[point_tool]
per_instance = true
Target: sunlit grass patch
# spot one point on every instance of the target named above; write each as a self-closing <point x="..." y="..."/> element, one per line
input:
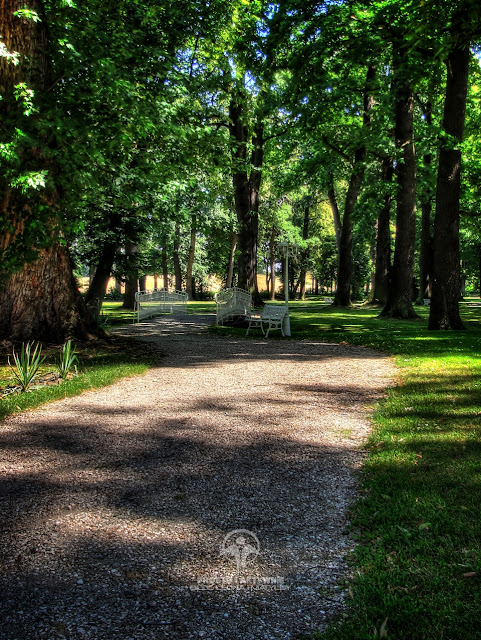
<point x="98" y="366"/>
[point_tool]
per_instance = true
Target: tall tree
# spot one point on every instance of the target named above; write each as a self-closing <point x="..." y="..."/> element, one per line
<point x="38" y="293"/>
<point x="399" y="303"/>
<point x="444" y="310"/>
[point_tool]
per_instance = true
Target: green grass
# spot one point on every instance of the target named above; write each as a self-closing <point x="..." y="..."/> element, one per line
<point x="418" y="523"/>
<point x="113" y="314"/>
<point x="98" y="366"/>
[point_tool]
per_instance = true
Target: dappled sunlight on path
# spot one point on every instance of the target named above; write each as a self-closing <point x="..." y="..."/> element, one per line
<point x="116" y="502"/>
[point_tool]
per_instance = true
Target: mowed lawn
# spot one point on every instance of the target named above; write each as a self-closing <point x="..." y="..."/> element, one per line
<point x="418" y="564"/>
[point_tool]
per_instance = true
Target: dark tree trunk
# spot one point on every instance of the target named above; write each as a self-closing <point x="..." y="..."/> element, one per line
<point x="230" y="269"/>
<point x="444" y="309"/>
<point x="39" y="298"/>
<point x="399" y="304"/>
<point x="344" y="273"/>
<point x="336" y="216"/>
<point x="189" y="283"/>
<point x="165" y="268"/>
<point x="176" y="258"/>
<point x="479" y="250"/>
<point x="246" y="195"/>
<point x="345" y="263"/>
<point x="272" y="263"/>
<point x="131" y="281"/>
<point x="379" y="294"/>
<point x="42" y="302"/>
<point x="426" y="247"/>
<point x="425" y="254"/>
<point x="98" y="286"/>
<point x="305" y="252"/>
<point x="143" y="283"/>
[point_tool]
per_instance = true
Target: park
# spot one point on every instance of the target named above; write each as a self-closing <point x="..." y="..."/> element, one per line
<point x="240" y="320"/>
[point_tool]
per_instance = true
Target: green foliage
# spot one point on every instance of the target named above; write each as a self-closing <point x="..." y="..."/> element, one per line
<point x="67" y="360"/>
<point x="100" y="367"/>
<point x="26" y="364"/>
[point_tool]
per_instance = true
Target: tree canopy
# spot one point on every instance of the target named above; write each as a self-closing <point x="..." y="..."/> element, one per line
<point x="187" y="137"/>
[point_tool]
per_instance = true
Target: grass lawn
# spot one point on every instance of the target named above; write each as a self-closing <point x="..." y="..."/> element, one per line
<point x="417" y="568"/>
<point x="418" y="524"/>
<point x="98" y="366"/>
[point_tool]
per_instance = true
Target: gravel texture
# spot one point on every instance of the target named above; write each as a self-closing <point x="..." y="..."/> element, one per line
<point x="116" y="504"/>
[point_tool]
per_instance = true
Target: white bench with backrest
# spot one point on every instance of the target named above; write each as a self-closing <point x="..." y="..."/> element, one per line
<point x="150" y="303"/>
<point x="232" y="303"/>
<point x="272" y="316"/>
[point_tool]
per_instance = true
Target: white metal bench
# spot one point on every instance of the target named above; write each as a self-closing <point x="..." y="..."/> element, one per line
<point x="272" y="316"/>
<point x="427" y="302"/>
<point x="232" y="303"/>
<point x="328" y="300"/>
<point x="149" y="303"/>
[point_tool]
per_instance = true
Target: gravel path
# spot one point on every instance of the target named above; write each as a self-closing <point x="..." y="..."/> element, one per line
<point x="116" y="504"/>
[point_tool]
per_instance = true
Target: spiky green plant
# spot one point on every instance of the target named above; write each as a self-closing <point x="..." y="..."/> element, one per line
<point x="27" y="364"/>
<point x="67" y="359"/>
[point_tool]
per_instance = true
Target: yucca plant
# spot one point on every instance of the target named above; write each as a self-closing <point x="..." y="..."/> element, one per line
<point x="67" y="360"/>
<point x="27" y="364"/>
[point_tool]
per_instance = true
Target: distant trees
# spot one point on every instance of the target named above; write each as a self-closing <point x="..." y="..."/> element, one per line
<point x="187" y="137"/>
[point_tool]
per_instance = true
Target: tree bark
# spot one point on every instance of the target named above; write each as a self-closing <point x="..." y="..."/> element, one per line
<point x="190" y="260"/>
<point x="344" y="273"/>
<point x="304" y="256"/>
<point x="246" y="194"/>
<point x="272" y="262"/>
<point x="39" y="298"/>
<point x="336" y="216"/>
<point x="230" y="269"/>
<point x="165" y="268"/>
<point x="379" y="293"/>
<point x="98" y="286"/>
<point x="426" y="246"/>
<point x="399" y="304"/>
<point x="131" y="281"/>
<point x="176" y="259"/>
<point x="444" y="309"/>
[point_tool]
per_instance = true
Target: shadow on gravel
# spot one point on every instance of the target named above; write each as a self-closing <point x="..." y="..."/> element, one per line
<point x="122" y="557"/>
<point x="114" y="531"/>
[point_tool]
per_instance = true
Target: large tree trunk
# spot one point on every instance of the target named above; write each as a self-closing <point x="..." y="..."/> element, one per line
<point x="336" y="216"/>
<point x="399" y="304"/>
<point x="39" y="298"/>
<point x="189" y="287"/>
<point x="444" y="309"/>
<point x="176" y="259"/>
<point x="230" y="269"/>
<point x="344" y="273"/>
<point x="132" y="279"/>
<point x="426" y="246"/>
<point x="246" y="195"/>
<point x="42" y="302"/>
<point x="379" y="293"/>
<point x="98" y="286"/>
